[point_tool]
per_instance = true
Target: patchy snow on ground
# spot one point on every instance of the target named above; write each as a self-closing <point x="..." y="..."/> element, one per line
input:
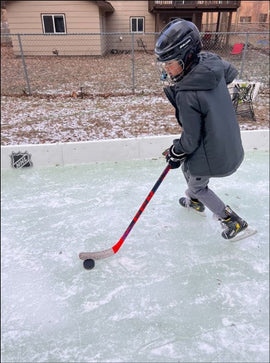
<point x="34" y="120"/>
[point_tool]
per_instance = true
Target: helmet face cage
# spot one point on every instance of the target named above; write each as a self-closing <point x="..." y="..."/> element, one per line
<point x="164" y="76"/>
<point x="178" y="40"/>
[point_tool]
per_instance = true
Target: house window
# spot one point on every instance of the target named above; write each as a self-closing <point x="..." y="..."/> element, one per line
<point x="53" y="23"/>
<point x="137" y="24"/>
<point x="245" y="19"/>
<point x="262" y="18"/>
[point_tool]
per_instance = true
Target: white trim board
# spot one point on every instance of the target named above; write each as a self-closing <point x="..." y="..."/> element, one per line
<point x="72" y="153"/>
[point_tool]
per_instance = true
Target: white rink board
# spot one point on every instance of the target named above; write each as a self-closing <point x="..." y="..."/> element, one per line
<point x="74" y="153"/>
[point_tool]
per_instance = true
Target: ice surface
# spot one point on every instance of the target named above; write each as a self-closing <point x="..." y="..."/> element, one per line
<point x="175" y="291"/>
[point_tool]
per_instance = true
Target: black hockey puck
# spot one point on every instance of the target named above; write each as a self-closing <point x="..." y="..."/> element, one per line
<point x="89" y="264"/>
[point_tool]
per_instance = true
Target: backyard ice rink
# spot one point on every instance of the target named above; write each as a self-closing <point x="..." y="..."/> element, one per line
<point x="175" y="292"/>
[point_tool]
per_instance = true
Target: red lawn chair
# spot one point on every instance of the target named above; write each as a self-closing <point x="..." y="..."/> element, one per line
<point x="237" y="48"/>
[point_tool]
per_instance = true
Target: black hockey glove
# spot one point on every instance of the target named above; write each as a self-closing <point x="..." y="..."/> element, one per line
<point x="175" y="160"/>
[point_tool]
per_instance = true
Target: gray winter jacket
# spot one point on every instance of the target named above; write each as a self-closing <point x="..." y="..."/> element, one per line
<point x="211" y="134"/>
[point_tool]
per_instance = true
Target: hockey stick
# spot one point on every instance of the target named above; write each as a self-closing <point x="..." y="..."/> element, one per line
<point x="111" y="251"/>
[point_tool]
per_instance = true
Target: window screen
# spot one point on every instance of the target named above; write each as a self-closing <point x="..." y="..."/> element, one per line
<point x="137" y="24"/>
<point x="53" y="23"/>
<point x="48" y="24"/>
<point x="59" y="24"/>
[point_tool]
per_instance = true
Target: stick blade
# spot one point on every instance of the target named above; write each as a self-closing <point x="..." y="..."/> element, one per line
<point x="100" y="255"/>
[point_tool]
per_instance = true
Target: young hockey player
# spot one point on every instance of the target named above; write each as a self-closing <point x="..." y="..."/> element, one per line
<point x="210" y="144"/>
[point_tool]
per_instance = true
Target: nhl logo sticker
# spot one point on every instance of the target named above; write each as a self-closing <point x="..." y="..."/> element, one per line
<point x="21" y="160"/>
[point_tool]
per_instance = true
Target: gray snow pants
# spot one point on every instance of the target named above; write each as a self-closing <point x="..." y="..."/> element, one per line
<point x="198" y="189"/>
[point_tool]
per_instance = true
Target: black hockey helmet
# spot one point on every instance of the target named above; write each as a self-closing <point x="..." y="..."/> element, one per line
<point x="178" y="40"/>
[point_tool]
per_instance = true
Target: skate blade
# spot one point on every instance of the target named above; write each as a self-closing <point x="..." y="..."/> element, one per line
<point x="193" y="211"/>
<point x="248" y="232"/>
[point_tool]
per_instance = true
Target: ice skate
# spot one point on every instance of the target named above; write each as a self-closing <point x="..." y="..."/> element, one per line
<point x="193" y="204"/>
<point x="235" y="228"/>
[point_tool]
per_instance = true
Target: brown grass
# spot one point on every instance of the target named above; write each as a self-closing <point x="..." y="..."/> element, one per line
<point x="84" y="98"/>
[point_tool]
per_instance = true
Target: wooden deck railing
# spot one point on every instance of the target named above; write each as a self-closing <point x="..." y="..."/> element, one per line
<point x="189" y="4"/>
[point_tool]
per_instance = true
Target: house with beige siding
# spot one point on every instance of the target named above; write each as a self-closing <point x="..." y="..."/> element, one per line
<point x="76" y="27"/>
<point x="48" y="26"/>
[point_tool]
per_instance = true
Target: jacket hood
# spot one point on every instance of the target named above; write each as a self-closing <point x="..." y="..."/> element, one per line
<point x="207" y="73"/>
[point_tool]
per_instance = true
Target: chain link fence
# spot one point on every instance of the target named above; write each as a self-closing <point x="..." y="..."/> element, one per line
<point x="111" y="63"/>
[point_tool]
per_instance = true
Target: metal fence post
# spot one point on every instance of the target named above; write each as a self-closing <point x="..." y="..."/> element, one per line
<point x="244" y="56"/>
<point x="24" y="66"/>
<point x="133" y="63"/>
